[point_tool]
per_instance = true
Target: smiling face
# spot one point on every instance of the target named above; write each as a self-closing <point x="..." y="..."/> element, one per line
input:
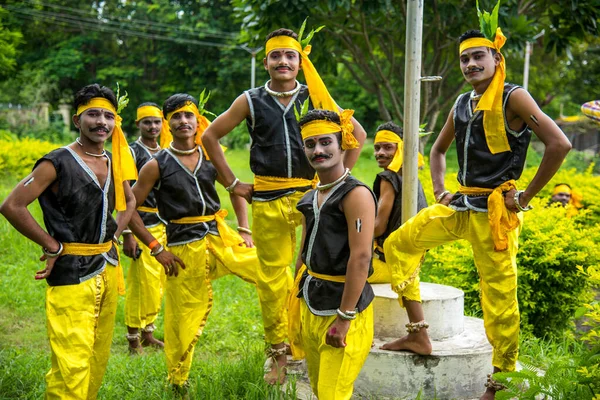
<point x="282" y="64"/>
<point x="96" y="124"/>
<point x="150" y="127"/>
<point x="323" y="151"/>
<point x="183" y="124"/>
<point x="478" y="64"/>
<point x="561" y="197"/>
<point x="384" y="153"/>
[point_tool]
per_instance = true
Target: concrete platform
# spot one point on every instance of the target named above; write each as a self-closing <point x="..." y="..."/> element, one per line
<point x="443" y="307"/>
<point x="457" y="368"/>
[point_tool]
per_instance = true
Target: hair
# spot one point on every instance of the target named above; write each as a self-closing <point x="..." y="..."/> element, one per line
<point x="473" y="33"/>
<point x="322" y="115"/>
<point x="86" y="93"/>
<point x="391" y="126"/>
<point x="149" y="103"/>
<point x="177" y="100"/>
<point x="282" y="32"/>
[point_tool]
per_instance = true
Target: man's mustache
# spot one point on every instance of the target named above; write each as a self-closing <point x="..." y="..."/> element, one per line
<point x="184" y="127"/>
<point x="99" y="128"/>
<point x="325" y="156"/>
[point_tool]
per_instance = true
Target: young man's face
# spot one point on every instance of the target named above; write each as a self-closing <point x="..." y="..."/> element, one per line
<point x="96" y="124"/>
<point x="183" y="124"/>
<point x="150" y="127"/>
<point x="384" y="153"/>
<point x="323" y="151"/>
<point x="478" y="64"/>
<point x="561" y="197"/>
<point x="282" y="64"/>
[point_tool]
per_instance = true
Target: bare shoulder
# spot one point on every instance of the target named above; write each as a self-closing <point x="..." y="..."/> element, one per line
<point x="360" y="199"/>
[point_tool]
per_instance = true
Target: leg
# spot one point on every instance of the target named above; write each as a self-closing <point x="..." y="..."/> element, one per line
<point x="498" y="281"/>
<point x="404" y="250"/>
<point x="274" y="226"/>
<point x="239" y="260"/>
<point x="381" y="272"/>
<point x="188" y="303"/>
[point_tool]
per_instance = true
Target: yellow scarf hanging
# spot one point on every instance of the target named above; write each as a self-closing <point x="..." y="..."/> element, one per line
<point x="491" y="101"/>
<point x="152" y="111"/>
<point x="388" y="136"/>
<point x="122" y="162"/>
<point x="324" y="127"/>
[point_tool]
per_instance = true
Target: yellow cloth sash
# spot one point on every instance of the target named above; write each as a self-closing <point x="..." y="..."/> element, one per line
<point x="93" y="249"/>
<point x="491" y="101"/>
<point x="152" y="111"/>
<point x="388" y="136"/>
<point x="148" y="209"/>
<point x="267" y="183"/>
<point x="330" y="278"/>
<point x="501" y="219"/>
<point x="324" y="127"/>
<point x="123" y="165"/>
<point x="229" y="236"/>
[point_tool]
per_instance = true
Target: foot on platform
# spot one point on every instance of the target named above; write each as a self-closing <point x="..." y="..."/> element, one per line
<point x="277" y="372"/>
<point x="416" y="342"/>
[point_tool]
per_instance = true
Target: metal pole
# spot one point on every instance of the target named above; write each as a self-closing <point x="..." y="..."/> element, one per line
<point x="253" y="73"/>
<point x="412" y="104"/>
<point x="526" y="67"/>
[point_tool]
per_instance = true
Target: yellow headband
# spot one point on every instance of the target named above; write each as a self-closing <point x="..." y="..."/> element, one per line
<point x="561" y="189"/>
<point x="324" y="127"/>
<point x="392" y="137"/>
<point x="123" y="165"/>
<point x="491" y="101"/>
<point x="153" y="111"/>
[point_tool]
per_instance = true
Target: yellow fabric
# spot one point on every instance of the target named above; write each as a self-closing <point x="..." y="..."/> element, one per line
<point x="239" y="260"/>
<point x="187" y="306"/>
<point x="148" y="209"/>
<point x="591" y="109"/>
<point x="491" y="101"/>
<point x="501" y="219"/>
<point x="91" y="249"/>
<point x="437" y="225"/>
<point x="274" y="232"/>
<point x="266" y="183"/>
<point x="330" y="278"/>
<point x="229" y="236"/>
<point x="123" y="164"/>
<point x="80" y="320"/>
<point x="145" y="281"/>
<point x="561" y="189"/>
<point x="576" y="199"/>
<point x="391" y="137"/>
<point x="332" y="371"/>
<point x="324" y="127"/>
<point x="381" y="272"/>
<point x="295" y="318"/>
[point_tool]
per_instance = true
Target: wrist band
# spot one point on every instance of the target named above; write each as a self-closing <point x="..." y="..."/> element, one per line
<point x="232" y="186"/>
<point x="58" y="252"/>
<point x="441" y="196"/>
<point x="126" y="232"/>
<point x="153" y="244"/>
<point x="518" y="202"/>
<point x="245" y="230"/>
<point x="158" y="250"/>
<point x="117" y="240"/>
<point x="346" y="315"/>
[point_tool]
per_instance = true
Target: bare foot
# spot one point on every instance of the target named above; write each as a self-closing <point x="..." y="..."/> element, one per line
<point x="276" y="375"/>
<point x="149" y="340"/>
<point x="416" y="342"/>
<point x="490" y="394"/>
<point x="135" y="348"/>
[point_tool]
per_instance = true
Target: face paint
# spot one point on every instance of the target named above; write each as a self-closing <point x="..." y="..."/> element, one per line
<point x="29" y="181"/>
<point x="358" y="225"/>
<point x="534" y="119"/>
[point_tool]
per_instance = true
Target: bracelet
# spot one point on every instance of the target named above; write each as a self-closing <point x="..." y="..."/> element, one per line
<point x="158" y="250"/>
<point x="58" y="252"/>
<point x="441" y="196"/>
<point x="518" y="202"/>
<point x="346" y="315"/>
<point x="117" y="240"/>
<point x="232" y="186"/>
<point x="245" y="230"/>
<point x="153" y="244"/>
<point x="126" y="232"/>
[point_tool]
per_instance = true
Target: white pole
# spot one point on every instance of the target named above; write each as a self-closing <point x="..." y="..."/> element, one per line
<point x="253" y="74"/>
<point x="526" y="67"/>
<point x="412" y="103"/>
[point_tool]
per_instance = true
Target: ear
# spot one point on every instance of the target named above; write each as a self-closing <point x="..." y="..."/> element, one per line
<point x="497" y="58"/>
<point x="75" y="120"/>
<point x="265" y="63"/>
<point x="137" y="123"/>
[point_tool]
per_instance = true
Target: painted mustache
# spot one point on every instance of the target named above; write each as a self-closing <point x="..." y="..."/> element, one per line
<point x="383" y="158"/>
<point x="468" y="71"/>
<point x="99" y="128"/>
<point x="184" y="127"/>
<point x="283" y="67"/>
<point x="323" y="156"/>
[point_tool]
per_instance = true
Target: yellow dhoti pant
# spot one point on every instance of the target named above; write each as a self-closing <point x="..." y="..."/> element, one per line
<point x="437" y="225"/>
<point x="274" y="226"/>
<point x="188" y="303"/>
<point x="80" y="320"/>
<point x="145" y="281"/>
<point x="381" y="272"/>
<point x="240" y="261"/>
<point x="332" y="371"/>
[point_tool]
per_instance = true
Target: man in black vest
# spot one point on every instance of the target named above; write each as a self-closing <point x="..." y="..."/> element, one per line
<point x="76" y="187"/>
<point x="281" y="176"/>
<point x="492" y="126"/>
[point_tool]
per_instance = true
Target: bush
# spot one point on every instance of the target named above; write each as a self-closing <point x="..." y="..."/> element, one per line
<point x="17" y="156"/>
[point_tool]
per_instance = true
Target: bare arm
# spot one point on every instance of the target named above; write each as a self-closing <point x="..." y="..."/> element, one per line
<point x="123" y="217"/>
<point x="351" y="156"/>
<point x="220" y="127"/>
<point x="437" y="157"/>
<point x="241" y="213"/>
<point x="357" y="205"/>
<point x="384" y="207"/>
<point x="557" y="145"/>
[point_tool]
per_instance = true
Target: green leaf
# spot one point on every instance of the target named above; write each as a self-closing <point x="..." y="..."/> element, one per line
<point x="122" y="101"/>
<point x="301" y="32"/>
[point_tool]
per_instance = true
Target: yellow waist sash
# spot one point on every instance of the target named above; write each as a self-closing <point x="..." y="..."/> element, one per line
<point x="228" y="235"/>
<point x="501" y="219"/>
<point x="330" y="278"/>
<point x="148" y="209"/>
<point x="267" y="183"/>
<point x="92" y="249"/>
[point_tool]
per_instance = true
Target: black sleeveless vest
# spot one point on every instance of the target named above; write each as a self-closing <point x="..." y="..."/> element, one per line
<point x="183" y="193"/>
<point x="141" y="155"/>
<point x="327" y="251"/>
<point x="79" y="212"/>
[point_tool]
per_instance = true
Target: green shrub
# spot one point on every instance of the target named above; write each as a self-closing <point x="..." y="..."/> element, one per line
<point x="238" y="138"/>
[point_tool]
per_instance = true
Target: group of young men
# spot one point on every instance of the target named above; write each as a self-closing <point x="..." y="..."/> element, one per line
<point x="351" y="235"/>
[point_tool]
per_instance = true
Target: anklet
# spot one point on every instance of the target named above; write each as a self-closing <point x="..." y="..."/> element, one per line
<point x="274" y="353"/>
<point x="132" y="337"/>
<point x="494" y="384"/>
<point x="414" y="327"/>
<point x="149" y="328"/>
